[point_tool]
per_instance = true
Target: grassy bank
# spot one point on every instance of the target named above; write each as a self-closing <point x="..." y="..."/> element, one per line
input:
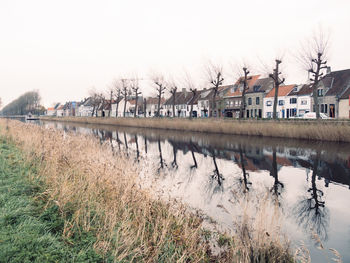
<point x="309" y="130"/>
<point x="30" y="227"/>
<point x="97" y="194"/>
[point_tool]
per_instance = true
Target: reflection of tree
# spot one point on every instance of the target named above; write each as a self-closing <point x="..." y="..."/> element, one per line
<point x="244" y="181"/>
<point x="118" y="141"/>
<point x="126" y="144"/>
<point x="216" y="174"/>
<point x="311" y="211"/>
<point x="137" y="149"/>
<point x="161" y="161"/>
<point x="174" y="162"/>
<point x="193" y="157"/>
<point x="277" y="187"/>
<point x="146" y="144"/>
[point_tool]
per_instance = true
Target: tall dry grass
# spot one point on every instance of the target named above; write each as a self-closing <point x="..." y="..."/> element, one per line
<point x="310" y="130"/>
<point x="98" y="192"/>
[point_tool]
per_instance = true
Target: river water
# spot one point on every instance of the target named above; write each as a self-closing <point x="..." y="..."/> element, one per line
<point x="310" y="180"/>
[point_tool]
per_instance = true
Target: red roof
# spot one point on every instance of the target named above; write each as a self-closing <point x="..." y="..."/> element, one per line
<point x="282" y="91"/>
<point x="237" y="92"/>
<point x="50" y="108"/>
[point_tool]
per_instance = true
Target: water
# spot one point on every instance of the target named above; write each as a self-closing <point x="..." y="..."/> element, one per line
<point x="310" y="180"/>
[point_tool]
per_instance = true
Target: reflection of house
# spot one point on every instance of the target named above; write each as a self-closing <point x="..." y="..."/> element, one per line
<point x="331" y="90"/>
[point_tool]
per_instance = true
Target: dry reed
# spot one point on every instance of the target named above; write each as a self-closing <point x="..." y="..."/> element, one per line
<point x="329" y="130"/>
<point x="96" y="191"/>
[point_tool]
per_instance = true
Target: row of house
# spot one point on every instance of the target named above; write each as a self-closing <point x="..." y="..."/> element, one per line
<point x="333" y="96"/>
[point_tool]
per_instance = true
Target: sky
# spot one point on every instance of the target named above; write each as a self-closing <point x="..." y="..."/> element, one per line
<point x="65" y="48"/>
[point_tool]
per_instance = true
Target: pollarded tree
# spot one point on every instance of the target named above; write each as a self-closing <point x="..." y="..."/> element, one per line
<point x="125" y="93"/>
<point x="134" y="84"/>
<point x="160" y="86"/>
<point x="244" y="81"/>
<point x="173" y="90"/>
<point x="277" y="81"/>
<point x="214" y="74"/>
<point x="313" y="56"/>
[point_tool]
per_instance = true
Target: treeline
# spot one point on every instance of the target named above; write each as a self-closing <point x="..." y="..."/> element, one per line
<point x="29" y="102"/>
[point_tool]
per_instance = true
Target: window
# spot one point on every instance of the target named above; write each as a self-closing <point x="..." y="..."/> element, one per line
<point x="257" y="100"/>
<point x="320" y="92"/>
<point x="268" y="103"/>
<point x="304" y="102"/>
<point x="293" y="100"/>
<point x="256" y="88"/>
<point x="281" y="102"/>
<point x="249" y="101"/>
<point x="269" y="114"/>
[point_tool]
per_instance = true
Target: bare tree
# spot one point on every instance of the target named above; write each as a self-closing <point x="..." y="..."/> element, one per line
<point x="95" y="101"/>
<point x="277" y="82"/>
<point x="244" y="81"/>
<point x="313" y="57"/>
<point x="145" y="107"/>
<point x="173" y="89"/>
<point x="134" y="83"/>
<point x="214" y="73"/>
<point x="125" y="92"/>
<point x="190" y="84"/>
<point x="158" y="80"/>
<point x="116" y="89"/>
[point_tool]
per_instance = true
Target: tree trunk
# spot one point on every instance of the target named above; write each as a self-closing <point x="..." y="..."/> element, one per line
<point x="242" y="107"/>
<point x="116" y="109"/>
<point x="174" y="105"/>
<point x="135" y="113"/>
<point x="159" y="98"/>
<point x="275" y="102"/>
<point x="144" y="108"/>
<point x="124" y="107"/>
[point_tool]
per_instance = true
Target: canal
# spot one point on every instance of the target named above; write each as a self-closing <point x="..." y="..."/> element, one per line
<point x="310" y="181"/>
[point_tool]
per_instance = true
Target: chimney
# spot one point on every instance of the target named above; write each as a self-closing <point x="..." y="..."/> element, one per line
<point x="184" y="91"/>
<point x="329" y="70"/>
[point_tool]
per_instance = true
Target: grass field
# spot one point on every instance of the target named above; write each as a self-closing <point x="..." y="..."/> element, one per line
<point x="326" y="130"/>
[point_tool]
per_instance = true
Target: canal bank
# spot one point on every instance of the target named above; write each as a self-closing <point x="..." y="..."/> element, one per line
<point x="97" y="191"/>
<point x="335" y="131"/>
<point x="31" y="227"/>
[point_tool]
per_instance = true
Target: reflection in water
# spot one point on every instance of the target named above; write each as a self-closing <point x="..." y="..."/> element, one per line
<point x="174" y="163"/>
<point x="311" y="211"/>
<point x="161" y="160"/>
<point x="277" y="185"/>
<point x="245" y="183"/>
<point x="210" y="165"/>
<point x="126" y="145"/>
<point x="195" y="165"/>
<point x="137" y="149"/>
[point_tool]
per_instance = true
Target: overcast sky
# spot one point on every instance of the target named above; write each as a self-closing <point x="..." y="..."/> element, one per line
<point x="63" y="48"/>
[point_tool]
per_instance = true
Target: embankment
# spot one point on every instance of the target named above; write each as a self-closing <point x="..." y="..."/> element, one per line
<point x="335" y="131"/>
<point x="97" y="194"/>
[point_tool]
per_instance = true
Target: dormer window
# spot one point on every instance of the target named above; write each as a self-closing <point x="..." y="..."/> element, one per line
<point x="320" y="92"/>
<point x="256" y="88"/>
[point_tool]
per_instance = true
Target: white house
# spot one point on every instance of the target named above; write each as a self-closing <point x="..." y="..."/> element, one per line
<point x="285" y="105"/>
<point x="85" y="108"/>
<point x="304" y="99"/>
<point x="152" y="107"/>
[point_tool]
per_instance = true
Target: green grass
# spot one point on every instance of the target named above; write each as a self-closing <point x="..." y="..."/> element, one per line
<point x="29" y="232"/>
